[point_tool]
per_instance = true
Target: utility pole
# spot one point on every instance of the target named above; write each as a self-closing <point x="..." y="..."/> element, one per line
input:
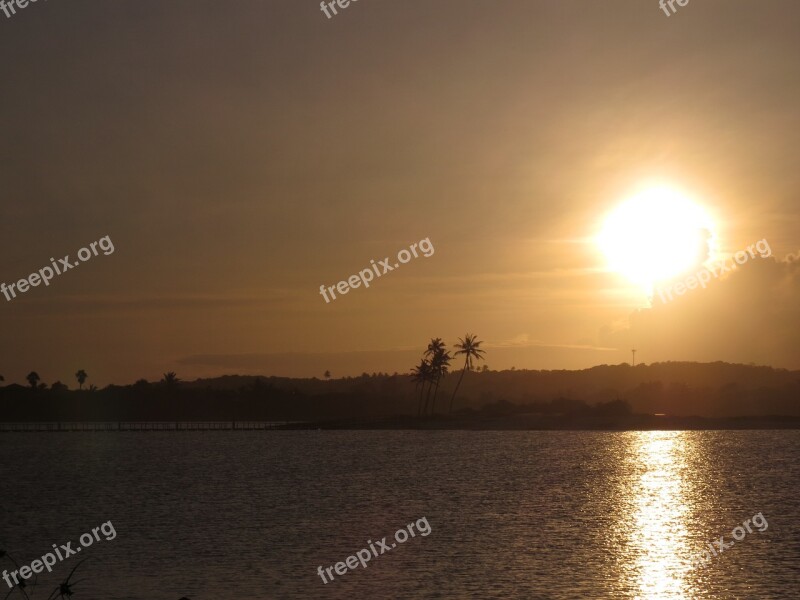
<point x="634" y="357"/>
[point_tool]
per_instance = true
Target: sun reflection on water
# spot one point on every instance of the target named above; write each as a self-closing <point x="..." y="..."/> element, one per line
<point x="660" y="503"/>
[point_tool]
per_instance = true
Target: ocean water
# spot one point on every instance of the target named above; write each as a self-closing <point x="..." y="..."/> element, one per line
<point x="252" y="515"/>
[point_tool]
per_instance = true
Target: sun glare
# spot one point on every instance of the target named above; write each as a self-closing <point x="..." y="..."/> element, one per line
<point x="656" y="235"/>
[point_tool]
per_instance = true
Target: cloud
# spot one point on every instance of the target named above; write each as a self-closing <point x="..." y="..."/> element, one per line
<point x="749" y="316"/>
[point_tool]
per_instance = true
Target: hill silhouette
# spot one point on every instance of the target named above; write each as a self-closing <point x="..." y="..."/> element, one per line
<point x="713" y="390"/>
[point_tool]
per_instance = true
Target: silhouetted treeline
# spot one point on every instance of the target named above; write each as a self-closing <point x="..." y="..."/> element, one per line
<point x="683" y="389"/>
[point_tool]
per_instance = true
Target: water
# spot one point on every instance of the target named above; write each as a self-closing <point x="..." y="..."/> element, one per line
<point x="251" y="515"/>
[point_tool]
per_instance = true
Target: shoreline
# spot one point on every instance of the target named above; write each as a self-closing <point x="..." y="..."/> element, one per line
<point x="636" y="422"/>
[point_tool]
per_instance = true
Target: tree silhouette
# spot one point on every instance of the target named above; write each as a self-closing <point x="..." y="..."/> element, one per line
<point x="439" y="365"/>
<point x="469" y="347"/>
<point x="33" y="379"/>
<point x="81" y="377"/>
<point x="439" y="359"/>
<point x="59" y="387"/>
<point x="421" y="374"/>
<point x="64" y="590"/>
<point x="170" y="382"/>
<point x="327" y="375"/>
<point x="170" y="379"/>
<point x="433" y="347"/>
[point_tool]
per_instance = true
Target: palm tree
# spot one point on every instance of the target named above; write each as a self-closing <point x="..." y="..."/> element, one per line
<point x="327" y="375"/>
<point x="421" y="375"/>
<point x="170" y="382"/>
<point x="435" y="345"/>
<point x="81" y="377"/>
<point x="170" y="379"/>
<point x="439" y="360"/>
<point x="33" y="379"/>
<point x="440" y="365"/>
<point x="469" y="347"/>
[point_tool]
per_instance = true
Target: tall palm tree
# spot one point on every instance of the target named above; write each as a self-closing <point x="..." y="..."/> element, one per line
<point x="439" y="359"/>
<point x="421" y="375"/>
<point x="33" y="379"/>
<point x="441" y="364"/>
<point x="81" y="377"/>
<point x="470" y="348"/>
<point x="434" y="347"/>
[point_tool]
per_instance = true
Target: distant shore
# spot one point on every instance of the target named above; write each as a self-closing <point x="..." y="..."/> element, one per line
<point x="558" y="423"/>
<point x="635" y="422"/>
<point x="603" y="397"/>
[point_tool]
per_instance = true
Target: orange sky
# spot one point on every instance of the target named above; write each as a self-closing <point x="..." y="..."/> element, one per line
<point x="240" y="156"/>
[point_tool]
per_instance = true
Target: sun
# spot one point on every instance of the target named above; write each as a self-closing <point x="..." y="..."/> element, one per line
<point x="656" y="235"/>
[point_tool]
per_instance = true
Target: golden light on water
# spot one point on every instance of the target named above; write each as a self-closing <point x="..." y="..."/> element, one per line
<point x="658" y="536"/>
<point x="661" y="514"/>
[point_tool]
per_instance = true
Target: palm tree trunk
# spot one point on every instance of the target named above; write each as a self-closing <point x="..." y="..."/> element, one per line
<point x="428" y="397"/>
<point x="436" y="391"/>
<point x="455" y="391"/>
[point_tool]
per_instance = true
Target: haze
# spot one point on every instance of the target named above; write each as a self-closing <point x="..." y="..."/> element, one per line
<point x="241" y="155"/>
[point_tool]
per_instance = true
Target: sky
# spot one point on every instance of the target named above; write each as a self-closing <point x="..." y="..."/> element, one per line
<point x="239" y="156"/>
